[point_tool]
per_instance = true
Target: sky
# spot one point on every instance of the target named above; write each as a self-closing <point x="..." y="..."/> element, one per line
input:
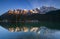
<point x="6" y="5"/>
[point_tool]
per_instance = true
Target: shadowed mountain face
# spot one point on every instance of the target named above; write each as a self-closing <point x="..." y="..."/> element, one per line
<point x="56" y="12"/>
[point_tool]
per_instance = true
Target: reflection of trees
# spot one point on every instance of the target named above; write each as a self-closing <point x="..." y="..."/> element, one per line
<point x="24" y="29"/>
<point x="38" y="30"/>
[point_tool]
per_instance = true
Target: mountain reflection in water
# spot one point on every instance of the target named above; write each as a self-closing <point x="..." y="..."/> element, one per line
<point x="27" y="31"/>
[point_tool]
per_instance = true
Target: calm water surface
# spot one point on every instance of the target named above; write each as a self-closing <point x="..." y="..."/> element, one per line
<point x="39" y="30"/>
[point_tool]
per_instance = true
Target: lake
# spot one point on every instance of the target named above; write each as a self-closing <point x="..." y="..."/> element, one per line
<point x="31" y="30"/>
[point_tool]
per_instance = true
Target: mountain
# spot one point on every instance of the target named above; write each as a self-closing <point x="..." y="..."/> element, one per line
<point x="41" y="10"/>
<point x="51" y="14"/>
<point x="45" y="9"/>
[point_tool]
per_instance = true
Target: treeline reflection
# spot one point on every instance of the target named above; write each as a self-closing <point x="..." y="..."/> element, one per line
<point x="20" y="27"/>
<point x="13" y="25"/>
<point x="28" y="27"/>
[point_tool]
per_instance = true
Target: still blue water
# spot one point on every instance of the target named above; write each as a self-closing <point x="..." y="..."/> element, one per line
<point x="40" y="33"/>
